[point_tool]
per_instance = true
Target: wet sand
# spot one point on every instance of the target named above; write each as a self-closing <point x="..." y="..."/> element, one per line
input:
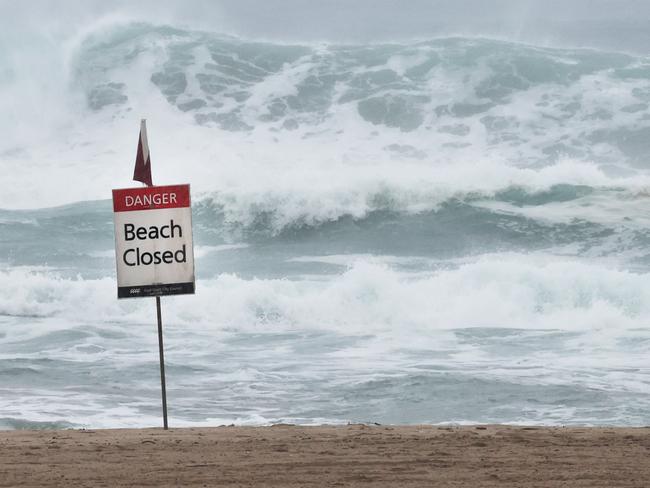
<point x="356" y="455"/>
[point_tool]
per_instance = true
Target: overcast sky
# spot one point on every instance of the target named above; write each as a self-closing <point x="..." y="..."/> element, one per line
<point x="602" y="23"/>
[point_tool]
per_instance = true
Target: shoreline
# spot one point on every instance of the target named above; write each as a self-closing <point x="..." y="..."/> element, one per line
<point x="352" y="455"/>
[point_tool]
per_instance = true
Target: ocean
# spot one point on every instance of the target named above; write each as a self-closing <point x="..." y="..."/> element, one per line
<point x="451" y="229"/>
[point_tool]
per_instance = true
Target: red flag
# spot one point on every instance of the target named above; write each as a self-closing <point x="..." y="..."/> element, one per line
<point x="142" y="170"/>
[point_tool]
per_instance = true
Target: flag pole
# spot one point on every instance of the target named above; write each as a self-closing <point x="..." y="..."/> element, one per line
<point x="142" y="173"/>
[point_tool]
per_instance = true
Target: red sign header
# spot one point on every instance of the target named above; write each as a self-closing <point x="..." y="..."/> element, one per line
<point x="151" y="198"/>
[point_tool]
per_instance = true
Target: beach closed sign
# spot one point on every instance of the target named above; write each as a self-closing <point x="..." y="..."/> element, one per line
<point x="153" y="241"/>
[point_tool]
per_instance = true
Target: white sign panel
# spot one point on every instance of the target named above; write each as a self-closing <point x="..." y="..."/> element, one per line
<point x="153" y="241"/>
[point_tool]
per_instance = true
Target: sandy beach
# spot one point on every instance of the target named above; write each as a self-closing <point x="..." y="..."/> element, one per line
<point x="355" y="455"/>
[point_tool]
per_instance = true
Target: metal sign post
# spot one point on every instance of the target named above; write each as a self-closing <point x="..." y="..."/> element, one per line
<point x="161" y="350"/>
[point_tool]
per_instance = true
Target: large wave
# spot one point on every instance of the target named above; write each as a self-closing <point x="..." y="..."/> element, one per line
<point x="538" y="103"/>
<point x="326" y="127"/>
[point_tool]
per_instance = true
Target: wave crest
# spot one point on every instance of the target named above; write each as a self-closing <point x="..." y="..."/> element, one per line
<point x="509" y="290"/>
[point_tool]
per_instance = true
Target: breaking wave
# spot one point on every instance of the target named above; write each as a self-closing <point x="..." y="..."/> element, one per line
<point x="511" y="291"/>
<point x="419" y="121"/>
